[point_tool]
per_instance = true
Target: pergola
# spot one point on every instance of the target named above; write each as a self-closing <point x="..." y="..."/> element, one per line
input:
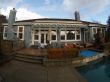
<point x="58" y="27"/>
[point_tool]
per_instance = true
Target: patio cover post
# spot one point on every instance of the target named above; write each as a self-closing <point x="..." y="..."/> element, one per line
<point x="49" y="35"/>
<point x="58" y="37"/>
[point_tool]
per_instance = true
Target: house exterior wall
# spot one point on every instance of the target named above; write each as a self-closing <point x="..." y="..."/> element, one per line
<point x="42" y="26"/>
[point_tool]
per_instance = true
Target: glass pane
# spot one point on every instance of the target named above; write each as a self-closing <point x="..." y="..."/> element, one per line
<point x="20" y="35"/>
<point x="20" y="29"/>
<point x="70" y="36"/>
<point x="62" y="37"/>
<point x="42" y="38"/>
<point x="53" y="37"/>
<point x="78" y="37"/>
<point x="36" y="37"/>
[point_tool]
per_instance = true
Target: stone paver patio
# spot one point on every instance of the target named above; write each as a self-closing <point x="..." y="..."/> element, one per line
<point x="17" y="71"/>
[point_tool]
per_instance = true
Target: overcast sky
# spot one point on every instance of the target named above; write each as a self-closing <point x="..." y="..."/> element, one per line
<point x="90" y="10"/>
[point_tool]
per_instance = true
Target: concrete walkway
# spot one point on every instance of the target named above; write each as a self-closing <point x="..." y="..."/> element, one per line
<point x="16" y="71"/>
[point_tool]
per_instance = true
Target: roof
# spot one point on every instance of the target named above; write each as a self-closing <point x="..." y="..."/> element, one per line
<point x="29" y="21"/>
<point x="57" y="19"/>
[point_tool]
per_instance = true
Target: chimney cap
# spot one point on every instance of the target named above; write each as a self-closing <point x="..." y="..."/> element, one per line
<point x="77" y="16"/>
<point x="13" y="8"/>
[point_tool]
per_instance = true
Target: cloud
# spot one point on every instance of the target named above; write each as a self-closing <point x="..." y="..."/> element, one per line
<point x="22" y="13"/>
<point x="47" y="2"/>
<point x="6" y="3"/>
<point x="89" y="6"/>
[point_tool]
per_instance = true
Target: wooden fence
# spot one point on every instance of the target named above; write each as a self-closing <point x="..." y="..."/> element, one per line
<point x="8" y="46"/>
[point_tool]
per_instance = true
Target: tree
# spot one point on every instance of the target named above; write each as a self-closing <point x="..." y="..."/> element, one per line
<point x="2" y="20"/>
<point x="107" y="34"/>
<point x="108" y="22"/>
<point x="98" y="43"/>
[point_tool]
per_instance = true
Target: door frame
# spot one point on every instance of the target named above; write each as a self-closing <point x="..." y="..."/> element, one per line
<point x="39" y="37"/>
<point x="44" y="38"/>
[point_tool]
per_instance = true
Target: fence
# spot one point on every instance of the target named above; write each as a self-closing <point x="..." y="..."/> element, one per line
<point x="8" y="46"/>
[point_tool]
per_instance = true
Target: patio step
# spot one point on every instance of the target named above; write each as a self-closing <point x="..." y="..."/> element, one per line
<point x="29" y="58"/>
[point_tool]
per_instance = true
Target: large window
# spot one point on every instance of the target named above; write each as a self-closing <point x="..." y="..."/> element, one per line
<point x="63" y="35"/>
<point x="71" y="35"/>
<point x="20" y="33"/>
<point x="5" y="32"/>
<point x="74" y="34"/>
<point x="53" y="35"/>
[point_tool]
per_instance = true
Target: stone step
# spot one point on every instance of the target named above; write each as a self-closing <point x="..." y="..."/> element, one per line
<point x="29" y="58"/>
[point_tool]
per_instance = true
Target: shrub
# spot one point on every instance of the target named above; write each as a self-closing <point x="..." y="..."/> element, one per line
<point x="59" y="53"/>
<point x="71" y="52"/>
<point x="55" y="53"/>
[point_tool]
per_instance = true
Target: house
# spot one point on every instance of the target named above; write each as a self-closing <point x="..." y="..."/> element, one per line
<point x="52" y="30"/>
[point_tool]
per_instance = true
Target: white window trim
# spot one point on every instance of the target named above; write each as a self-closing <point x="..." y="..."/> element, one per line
<point x="20" y="32"/>
<point x="75" y="36"/>
<point x="4" y="32"/>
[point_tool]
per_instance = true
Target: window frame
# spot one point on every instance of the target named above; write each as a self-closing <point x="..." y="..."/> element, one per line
<point x="20" y="32"/>
<point x="35" y="35"/>
<point x="63" y="33"/>
<point x="54" y="34"/>
<point x="4" y="32"/>
<point x="75" y="39"/>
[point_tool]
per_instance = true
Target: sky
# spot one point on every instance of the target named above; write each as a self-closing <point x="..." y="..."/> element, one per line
<point x="90" y="10"/>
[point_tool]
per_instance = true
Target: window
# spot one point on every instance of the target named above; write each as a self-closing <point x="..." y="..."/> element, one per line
<point x="20" y="33"/>
<point x="71" y="35"/>
<point x="5" y="32"/>
<point x="63" y="35"/>
<point x="53" y="35"/>
<point x="77" y="37"/>
<point x="36" y="35"/>
<point x="77" y="34"/>
<point x="94" y="30"/>
<point x="74" y="34"/>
